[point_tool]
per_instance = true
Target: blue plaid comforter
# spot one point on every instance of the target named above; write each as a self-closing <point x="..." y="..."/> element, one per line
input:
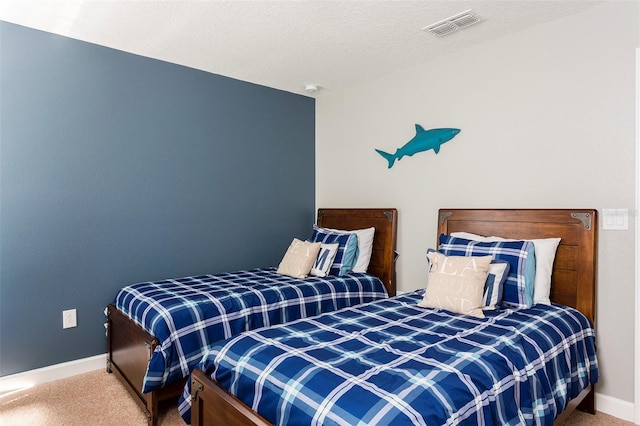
<point x="188" y="315"/>
<point x="392" y="362"/>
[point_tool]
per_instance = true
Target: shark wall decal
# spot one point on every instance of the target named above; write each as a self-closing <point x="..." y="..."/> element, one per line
<point x="424" y="140"/>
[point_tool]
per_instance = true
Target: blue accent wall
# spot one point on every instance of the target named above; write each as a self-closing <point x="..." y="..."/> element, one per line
<point x="117" y="168"/>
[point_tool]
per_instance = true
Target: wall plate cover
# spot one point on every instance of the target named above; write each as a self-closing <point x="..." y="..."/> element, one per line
<point x="69" y="319"/>
<point x="615" y="219"/>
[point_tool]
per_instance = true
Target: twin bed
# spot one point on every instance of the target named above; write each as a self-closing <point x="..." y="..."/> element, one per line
<point x="157" y="332"/>
<point x="391" y="361"/>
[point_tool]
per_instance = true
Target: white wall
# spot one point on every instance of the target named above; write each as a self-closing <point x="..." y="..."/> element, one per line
<point x="547" y="119"/>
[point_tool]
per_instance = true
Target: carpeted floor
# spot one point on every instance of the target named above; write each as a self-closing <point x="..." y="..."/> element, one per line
<point x="94" y="398"/>
<point x="98" y="398"/>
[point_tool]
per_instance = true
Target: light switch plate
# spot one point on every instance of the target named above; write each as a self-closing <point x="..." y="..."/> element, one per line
<point x="615" y="219"/>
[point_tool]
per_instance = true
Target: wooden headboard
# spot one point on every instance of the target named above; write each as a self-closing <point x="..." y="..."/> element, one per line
<point x="573" y="281"/>
<point x="385" y="221"/>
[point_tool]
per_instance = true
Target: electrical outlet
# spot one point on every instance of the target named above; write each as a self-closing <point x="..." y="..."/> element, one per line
<point x="69" y="318"/>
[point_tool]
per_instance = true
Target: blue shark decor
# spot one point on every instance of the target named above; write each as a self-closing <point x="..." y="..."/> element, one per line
<point x="424" y="140"/>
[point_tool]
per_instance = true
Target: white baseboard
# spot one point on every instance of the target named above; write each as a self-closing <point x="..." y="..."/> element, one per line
<point x="615" y="407"/>
<point x="16" y="382"/>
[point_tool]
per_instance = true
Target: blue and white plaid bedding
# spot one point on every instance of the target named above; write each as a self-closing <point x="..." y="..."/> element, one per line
<point x="392" y="362"/>
<point x="188" y="315"/>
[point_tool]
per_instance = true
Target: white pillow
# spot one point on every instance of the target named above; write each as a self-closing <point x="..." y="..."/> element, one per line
<point x="324" y="260"/>
<point x="365" y="246"/>
<point x="545" y="251"/>
<point x="299" y="258"/>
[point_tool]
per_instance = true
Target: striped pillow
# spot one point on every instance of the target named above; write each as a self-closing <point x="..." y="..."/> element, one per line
<point x="347" y="249"/>
<point x="518" y="288"/>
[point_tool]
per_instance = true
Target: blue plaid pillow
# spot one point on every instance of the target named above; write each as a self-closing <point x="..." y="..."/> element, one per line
<point x="347" y="249"/>
<point x="518" y="288"/>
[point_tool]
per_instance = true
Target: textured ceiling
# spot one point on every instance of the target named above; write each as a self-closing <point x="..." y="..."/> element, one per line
<point x="285" y="44"/>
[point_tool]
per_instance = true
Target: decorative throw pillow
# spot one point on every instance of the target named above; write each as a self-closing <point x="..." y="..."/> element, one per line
<point x="347" y="249"/>
<point x="324" y="260"/>
<point x="456" y="283"/>
<point x="494" y="285"/>
<point x="545" y="249"/>
<point x="518" y="288"/>
<point x="299" y="258"/>
<point x="365" y="246"/>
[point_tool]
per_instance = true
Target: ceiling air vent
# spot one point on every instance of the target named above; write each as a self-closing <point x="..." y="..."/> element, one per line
<point x="453" y="23"/>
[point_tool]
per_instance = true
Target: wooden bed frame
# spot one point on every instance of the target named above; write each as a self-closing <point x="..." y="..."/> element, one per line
<point x="129" y="346"/>
<point x="573" y="284"/>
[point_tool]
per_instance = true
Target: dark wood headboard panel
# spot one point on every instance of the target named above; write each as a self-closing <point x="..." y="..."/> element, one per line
<point x="573" y="280"/>
<point x="385" y="221"/>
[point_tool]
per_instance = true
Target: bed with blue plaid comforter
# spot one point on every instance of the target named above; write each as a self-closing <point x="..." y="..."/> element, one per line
<point x="392" y="362"/>
<point x="188" y="315"/>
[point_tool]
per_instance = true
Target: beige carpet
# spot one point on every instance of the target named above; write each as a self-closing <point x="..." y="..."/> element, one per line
<point x="98" y="398"/>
